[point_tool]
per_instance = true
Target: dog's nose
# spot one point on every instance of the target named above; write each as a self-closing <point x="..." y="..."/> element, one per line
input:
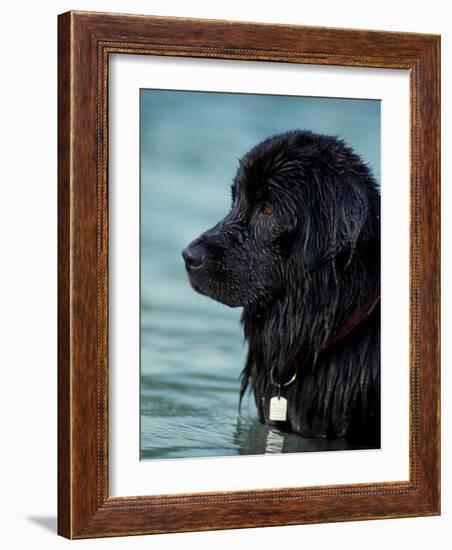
<point x="194" y="256"/>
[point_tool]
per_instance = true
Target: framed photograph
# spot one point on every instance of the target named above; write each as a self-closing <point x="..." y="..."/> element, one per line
<point x="248" y="275"/>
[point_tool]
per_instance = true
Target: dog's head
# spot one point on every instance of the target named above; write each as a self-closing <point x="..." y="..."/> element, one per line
<point x="300" y="201"/>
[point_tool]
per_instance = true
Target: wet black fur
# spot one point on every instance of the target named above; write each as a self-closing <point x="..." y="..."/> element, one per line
<point x="299" y="273"/>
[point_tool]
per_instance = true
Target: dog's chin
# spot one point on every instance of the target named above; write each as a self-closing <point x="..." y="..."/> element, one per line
<point x="221" y="293"/>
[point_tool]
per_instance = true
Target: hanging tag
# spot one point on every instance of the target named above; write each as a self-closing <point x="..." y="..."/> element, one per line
<point x="278" y="409"/>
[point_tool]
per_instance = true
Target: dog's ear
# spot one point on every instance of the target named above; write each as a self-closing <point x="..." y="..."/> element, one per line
<point x="335" y="222"/>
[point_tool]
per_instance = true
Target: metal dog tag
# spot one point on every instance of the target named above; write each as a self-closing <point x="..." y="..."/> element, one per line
<point x="278" y="409"/>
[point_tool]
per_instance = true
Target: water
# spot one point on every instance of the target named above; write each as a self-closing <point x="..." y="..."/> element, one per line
<point x="192" y="349"/>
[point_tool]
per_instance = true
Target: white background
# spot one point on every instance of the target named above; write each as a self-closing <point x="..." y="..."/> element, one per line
<point x="28" y="274"/>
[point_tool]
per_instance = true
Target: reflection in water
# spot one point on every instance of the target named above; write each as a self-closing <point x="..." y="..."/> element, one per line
<point x="274" y="443"/>
<point x="192" y="349"/>
<point x="252" y="437"/>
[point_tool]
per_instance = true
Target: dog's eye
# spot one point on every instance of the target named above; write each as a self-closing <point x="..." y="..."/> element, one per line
<point x="268" y="210"/>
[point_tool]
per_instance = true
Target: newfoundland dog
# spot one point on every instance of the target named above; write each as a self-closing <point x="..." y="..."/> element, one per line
<point x="299" y="251"/>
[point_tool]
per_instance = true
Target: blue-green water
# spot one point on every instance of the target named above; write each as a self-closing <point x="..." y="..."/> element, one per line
<point x="192" y="349"/>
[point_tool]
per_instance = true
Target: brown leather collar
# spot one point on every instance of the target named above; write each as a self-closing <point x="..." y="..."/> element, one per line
<point x="354" y="319"/>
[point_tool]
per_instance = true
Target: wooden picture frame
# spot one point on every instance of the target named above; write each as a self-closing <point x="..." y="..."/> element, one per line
<point x="85" y="42"/>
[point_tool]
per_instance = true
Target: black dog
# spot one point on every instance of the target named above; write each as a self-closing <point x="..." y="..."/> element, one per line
<point x="300" y="252"/>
